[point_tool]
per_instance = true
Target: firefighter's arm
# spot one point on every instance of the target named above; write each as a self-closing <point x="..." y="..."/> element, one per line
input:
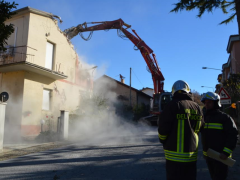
<point x="165" y="123"/>
<point x="231" y="133"/>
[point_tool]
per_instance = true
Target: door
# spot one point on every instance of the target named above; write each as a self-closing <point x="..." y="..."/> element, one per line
<point x="49" y="56"/>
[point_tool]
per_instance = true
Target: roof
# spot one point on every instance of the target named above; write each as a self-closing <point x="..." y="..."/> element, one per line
<point x="138" y="91"/>
<point x="34" y="11"/>
<point x="146" y="88"/>
<point x="232" y="39"/>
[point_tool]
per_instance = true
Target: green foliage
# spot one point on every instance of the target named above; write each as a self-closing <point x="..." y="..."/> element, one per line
<point x="6" y="30"/>
<point x="98" y="106"/>
<point x="47" y="136"/>
<point x="140" y="111"/>
<point x="90" y="106"/>
<point x="123" y="110"/>
<point x="209" y="6"/>
<point x="232" y="85"/>
<point x="197" y="98"/>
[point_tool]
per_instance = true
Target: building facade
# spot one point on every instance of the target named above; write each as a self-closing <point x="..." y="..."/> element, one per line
<point x="41" y="73"/>
<point x="121" y="91"/>
<point x="232" y="66"/>
<point x="148" y="91"/>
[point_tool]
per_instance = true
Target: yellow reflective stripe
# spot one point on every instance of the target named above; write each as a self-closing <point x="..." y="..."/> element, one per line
<point x="180" y="136"/>
<point x="213" y="126"/>
<point x="181" y="159"/>
<point x="197" y="140"/>
<point x="162" y="137"/>
<point x="229" y="151"/>
<point x="204" y="153"/>
<point x="182" y="146"/>
<point x="198" y="125"/>
<point x="181" y="155"/>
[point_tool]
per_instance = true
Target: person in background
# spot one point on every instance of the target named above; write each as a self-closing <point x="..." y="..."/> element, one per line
<point x="220" y="134"/>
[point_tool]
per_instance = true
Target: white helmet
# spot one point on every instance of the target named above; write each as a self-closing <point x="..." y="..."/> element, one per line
<point x="180" y="85"/>
<point x="211" y="96"/>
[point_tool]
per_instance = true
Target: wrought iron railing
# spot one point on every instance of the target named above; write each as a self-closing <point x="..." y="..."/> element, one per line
<point x="17" y="54"/>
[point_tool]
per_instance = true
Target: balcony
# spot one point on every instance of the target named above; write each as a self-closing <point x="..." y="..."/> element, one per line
<point x="16" y="59"/>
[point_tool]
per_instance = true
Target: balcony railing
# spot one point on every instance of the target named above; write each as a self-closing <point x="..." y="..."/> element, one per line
<point x="21" y="58"/>
<point x="17" y="54"/>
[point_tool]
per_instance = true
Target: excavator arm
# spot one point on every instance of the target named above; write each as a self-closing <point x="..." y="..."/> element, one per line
<point x="146" y="51"/>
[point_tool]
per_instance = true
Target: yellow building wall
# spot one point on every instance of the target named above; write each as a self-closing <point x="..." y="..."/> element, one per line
<point x="21" y="25"/>
<point x="13" y="84"/>
<point x="64" y="96"/>
<point x="24" y="109"/>
<point x="64" y="54"/>
<point x="64" y="93"/>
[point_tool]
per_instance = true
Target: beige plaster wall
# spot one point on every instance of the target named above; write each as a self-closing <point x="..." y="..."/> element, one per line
<point x="26" y="88"/>
<point x="64" y="54"/>
<point x="64" y="96"/>
<point x="143" y="99"/>
<point x="12" y="82"/>
<point x="22" y="25"/>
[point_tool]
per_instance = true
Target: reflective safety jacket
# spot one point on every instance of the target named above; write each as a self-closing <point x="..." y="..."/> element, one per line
<point x="178" y="128"/>
<point x="220" y="133"/>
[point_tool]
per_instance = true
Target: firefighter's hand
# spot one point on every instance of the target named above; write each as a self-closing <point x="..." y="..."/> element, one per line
<point x="223" y="156"/>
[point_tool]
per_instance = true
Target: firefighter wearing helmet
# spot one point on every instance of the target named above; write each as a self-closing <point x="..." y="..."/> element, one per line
<point x="179" y="125"/>
<point x="220" y="134"/>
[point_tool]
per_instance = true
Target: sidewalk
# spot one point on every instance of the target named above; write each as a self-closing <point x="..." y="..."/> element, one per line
<point x="15" y="150"/>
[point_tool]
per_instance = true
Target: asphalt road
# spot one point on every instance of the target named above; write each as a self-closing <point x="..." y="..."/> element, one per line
<point x="140" y="158"/>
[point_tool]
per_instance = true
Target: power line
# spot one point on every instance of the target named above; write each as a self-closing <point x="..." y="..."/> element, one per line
<point x="137" y="78"/>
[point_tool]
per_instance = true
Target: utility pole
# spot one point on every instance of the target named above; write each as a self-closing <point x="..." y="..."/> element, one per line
<point x="130" y="86"/>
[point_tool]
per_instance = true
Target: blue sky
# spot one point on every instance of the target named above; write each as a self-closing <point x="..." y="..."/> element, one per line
<point x="183" y="43"/>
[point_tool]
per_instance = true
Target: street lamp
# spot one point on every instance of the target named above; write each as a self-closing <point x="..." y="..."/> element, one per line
<point x="208" y="87"/>
<point x="210" y="68"/>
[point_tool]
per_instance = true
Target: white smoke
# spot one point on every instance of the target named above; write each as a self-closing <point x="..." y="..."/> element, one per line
<point x="96" y="121"/>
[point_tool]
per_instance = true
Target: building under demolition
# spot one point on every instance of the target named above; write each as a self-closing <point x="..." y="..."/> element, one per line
<point x="41" y="73"/>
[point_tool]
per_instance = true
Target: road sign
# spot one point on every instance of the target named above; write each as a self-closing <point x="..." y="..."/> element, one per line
<point x="223" y="94"/>
<point x="225" y="101"/>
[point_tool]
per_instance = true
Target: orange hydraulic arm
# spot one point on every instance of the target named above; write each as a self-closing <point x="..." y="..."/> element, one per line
<point x="119" y="24"/>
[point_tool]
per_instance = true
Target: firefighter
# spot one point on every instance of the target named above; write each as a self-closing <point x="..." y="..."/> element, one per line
<point x="220" y="134"/>
<point x="178" y="128"/>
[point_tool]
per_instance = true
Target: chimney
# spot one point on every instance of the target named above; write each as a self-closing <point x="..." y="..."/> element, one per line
<point x="122" y="79"/>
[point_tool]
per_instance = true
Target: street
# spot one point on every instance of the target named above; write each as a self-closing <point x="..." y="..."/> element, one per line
<point x="119" y="158"/>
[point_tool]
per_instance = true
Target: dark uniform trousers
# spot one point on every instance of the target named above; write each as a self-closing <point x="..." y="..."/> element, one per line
<point x="218" y="170"/>
<point x="181" y="171"/>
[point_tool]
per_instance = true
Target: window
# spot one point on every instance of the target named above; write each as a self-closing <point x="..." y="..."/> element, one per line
<point x="49" y="55"/>
<point x="46" y="99"/>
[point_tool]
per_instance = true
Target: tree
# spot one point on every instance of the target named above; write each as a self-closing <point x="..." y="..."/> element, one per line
<point x="209" y="5"/>
<point x="6" y="30"/>
<point x="232" y="85"/>
<point x="197" y="97"/>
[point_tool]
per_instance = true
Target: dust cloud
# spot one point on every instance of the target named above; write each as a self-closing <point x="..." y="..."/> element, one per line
<point x="96" y="120"/>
